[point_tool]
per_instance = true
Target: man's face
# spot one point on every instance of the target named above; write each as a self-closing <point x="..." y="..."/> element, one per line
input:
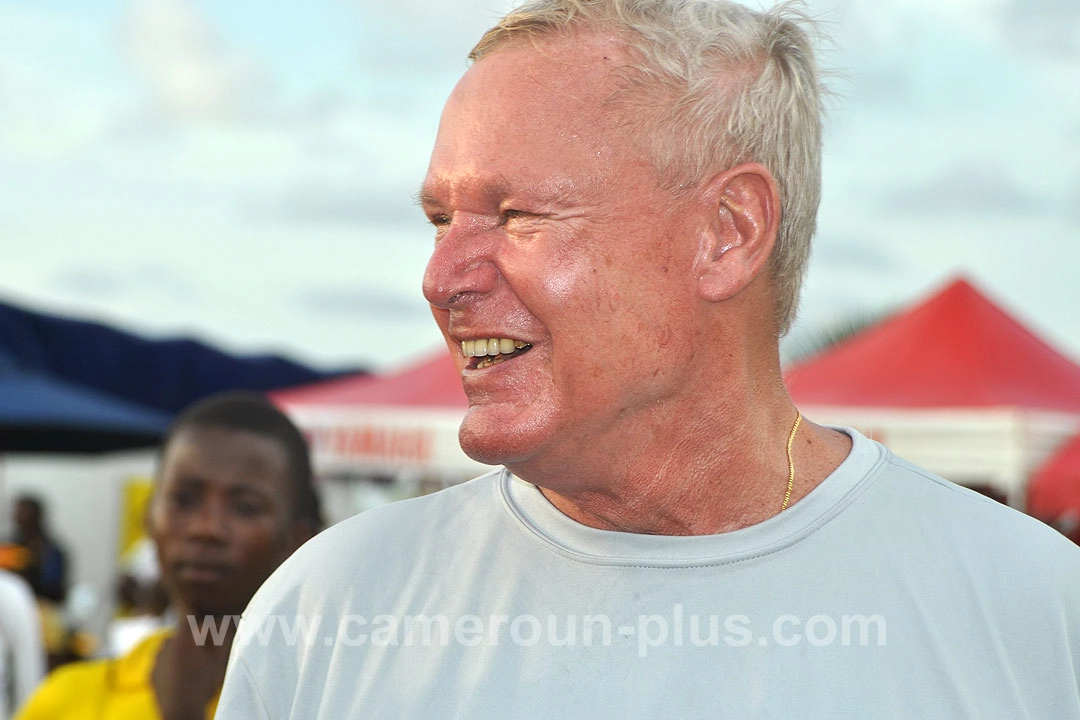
<point x="552" y="235"/>
<point x="220" y="517"/>
<point x="27" y="518"/>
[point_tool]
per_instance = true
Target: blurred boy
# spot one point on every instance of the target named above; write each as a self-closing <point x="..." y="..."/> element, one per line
<point x="234" y="498"/>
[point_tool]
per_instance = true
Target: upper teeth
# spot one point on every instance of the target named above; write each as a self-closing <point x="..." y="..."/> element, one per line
<point x="494" y="346"/>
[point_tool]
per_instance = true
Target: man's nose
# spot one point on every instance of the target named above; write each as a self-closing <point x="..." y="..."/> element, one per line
<point x="463" y="261"/>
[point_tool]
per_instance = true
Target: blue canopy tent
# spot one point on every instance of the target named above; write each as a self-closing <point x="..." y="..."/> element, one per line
<point x="164" y="375"/>
<point x="46" y="415"/>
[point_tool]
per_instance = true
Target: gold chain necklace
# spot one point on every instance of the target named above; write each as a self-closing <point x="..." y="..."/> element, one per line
<point x="790" y="461"/>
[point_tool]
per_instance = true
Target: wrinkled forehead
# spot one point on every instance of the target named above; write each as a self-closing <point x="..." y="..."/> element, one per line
<point x="558" y="77"/>
<point x="533" y="110"/>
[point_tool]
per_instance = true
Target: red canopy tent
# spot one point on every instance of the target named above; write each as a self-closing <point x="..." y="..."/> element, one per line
<point x="433" y="382"/>
<point x="1054" y="491"/>
<point x="401" y="424"/>
<point x="955" y="384"/>
<point x="956" y="349"/>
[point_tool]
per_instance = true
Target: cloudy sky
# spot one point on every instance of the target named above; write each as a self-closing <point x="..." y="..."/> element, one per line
<point x="242" y="172"/>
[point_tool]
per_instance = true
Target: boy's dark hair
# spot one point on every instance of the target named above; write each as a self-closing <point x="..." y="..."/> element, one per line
<point x="253" y="412"/>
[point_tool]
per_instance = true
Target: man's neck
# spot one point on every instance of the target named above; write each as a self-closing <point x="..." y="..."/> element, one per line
<point x="703" y="478"/>
<point x="710" y="458"/>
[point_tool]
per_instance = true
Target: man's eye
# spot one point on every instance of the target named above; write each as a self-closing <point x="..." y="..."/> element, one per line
<point x="441" y="223"/>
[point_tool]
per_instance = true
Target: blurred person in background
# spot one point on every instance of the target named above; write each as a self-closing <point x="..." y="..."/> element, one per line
<point x="22" y="652"/>
<point x="34" y="553"/>
<point x="234" y="497"/>
<point x="45" y="564"/>
<point x="143" y="604"/>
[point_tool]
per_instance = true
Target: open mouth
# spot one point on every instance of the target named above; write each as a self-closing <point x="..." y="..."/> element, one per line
<point x="485" y="353"/>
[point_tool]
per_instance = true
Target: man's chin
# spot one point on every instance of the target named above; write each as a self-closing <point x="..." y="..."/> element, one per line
<point x="494" y="445"/>
<point x="486" y="450"/>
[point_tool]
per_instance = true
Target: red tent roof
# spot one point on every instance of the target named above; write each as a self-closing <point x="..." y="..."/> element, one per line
<point x="1055" y="489"/>
<point x="434" y="382"/>
<point x="957" y="349"/>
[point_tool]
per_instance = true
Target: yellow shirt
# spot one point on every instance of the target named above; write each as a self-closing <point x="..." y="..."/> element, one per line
<point x="114" y="689"/>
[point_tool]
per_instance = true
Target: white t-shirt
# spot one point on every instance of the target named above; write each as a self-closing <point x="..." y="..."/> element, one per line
<point x="886" y="592"/>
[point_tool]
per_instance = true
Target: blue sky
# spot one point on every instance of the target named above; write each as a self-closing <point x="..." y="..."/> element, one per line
<point x="243" y="172"/>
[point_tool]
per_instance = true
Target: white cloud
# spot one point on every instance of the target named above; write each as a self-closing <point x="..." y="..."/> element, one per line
<point x="849" y="253"/>
<point x="356" y="203"/>
<point x="462" y="20"/>
<point x="1045" y="28"/>
<point x="352" y="301"/>
<point x="968" y="188"/>
<point x="189" y="71"/>
<point x="53" y="98"/>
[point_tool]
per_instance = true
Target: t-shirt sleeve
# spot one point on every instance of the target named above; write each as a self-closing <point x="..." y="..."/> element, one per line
<point x="240" y="695"/>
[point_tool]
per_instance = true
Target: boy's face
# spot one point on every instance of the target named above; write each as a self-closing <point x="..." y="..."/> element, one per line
<point x="221" y="517"/>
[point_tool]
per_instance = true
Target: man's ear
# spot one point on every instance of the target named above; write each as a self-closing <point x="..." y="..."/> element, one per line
<point x="745" y="208"/>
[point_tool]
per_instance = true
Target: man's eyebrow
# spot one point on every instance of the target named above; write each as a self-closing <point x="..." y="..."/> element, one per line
<point x="493" y="190"/>
<point x="423" y="196"/>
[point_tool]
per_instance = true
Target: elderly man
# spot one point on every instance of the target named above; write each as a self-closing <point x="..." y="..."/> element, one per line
<point x="623" y="194"/>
